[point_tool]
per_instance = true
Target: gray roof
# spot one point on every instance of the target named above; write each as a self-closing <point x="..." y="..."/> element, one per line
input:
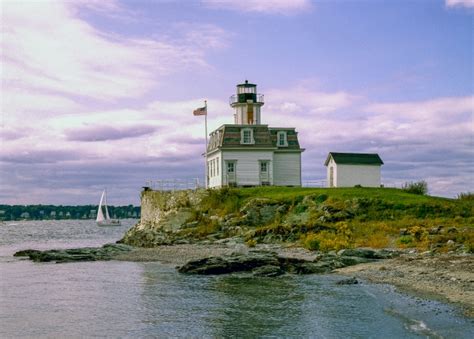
<point x="354" y="158"/>
<point x="229" y="136"/>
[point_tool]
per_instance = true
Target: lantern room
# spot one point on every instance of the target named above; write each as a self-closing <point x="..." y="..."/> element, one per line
<point x="246" y="103"/>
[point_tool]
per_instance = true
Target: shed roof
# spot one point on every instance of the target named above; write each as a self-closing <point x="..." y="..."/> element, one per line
<point x="354" y="158"/>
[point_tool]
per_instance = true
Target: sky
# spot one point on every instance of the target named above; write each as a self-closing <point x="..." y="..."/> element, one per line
<point x="99" y="93"/>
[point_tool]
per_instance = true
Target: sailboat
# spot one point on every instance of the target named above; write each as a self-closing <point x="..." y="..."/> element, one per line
<point x="105" y="220"/>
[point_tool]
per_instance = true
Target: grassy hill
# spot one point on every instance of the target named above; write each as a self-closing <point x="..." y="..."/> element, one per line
<point x="333" y="218"/>
<point x="329" y="218"/>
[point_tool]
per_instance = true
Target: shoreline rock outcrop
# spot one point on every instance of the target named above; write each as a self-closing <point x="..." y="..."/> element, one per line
<point x="106" y="252"/>
<point x="268" y="263"/>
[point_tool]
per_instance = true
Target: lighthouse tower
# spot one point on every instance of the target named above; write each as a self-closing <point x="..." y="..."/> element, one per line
<point x="247" y="104"/>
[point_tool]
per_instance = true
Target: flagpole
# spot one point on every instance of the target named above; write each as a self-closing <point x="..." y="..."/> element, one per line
<point x="206" y="178"/>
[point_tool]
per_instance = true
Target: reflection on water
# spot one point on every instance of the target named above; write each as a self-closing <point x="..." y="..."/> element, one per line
<point x="125" y="299"/>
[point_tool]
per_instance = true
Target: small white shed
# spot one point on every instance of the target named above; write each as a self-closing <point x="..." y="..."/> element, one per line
<point x="351" y="169"/>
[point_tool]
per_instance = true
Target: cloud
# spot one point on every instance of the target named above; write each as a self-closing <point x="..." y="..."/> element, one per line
<point x="307" y="101"/>
<point x="430" y="139"/>
<point x="284" y="7"/>
<point x="40" y="156"/>
<point x="460" y="3"/>
<point x="107" y="132"/>
<point x="79" y="60"/>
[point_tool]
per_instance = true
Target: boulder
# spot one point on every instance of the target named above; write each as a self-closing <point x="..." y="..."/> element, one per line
<point x="268" y="271"/>
<point x="350" y="281"/>
<point x="368" y="253"/>
<point x="229" y="263"/>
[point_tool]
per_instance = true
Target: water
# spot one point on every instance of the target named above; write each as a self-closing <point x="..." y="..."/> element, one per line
<point x="127" y="299"/>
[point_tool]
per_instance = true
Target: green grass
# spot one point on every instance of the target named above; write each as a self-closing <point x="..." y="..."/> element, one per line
<point x="393" y="195"/>
<point x="333" y="218"/>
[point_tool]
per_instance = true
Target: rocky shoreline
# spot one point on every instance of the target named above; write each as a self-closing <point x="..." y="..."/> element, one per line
<point x="447" y="277"/>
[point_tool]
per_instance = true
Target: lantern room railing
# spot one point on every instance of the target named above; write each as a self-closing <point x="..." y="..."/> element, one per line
<point x="242" y="98"/>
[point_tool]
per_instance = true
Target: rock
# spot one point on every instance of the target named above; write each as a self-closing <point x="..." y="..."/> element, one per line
<point x="106" y="252"/>
<point x="259" y="211"/>
<point x="450" y="243"/>
<point x="350" y="281"/>
<point x="230" y="263"/>
<point x="369" y="253"/>
<point x="256" y="259"/>
<point x="240" y="249"/>
<point x="26" y="253"/>
<point x="268" y="271"/>
<point x="403" y="231"/>
<point x="435" y="230"/>
<point x="350" y="261"/>
<point x="358" y="252"/>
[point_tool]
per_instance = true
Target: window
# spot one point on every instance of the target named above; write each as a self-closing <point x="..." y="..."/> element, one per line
<point x="217" y="166"/>
<point x="281" y="139"/>
<point x="230" y="167"/>
<point x="247" y="136"/>
<point x="263" y="166"/>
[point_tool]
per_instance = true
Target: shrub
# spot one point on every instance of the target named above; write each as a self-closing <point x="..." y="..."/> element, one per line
<point x="311" y="242"/>
<point x="420" y="187"/>
<point x="469" y="196"/>
<point x="251" y="242"/>
<point x="405" y="241"/>
<point x="225" y="200"/>
<point x="376" y="240"/>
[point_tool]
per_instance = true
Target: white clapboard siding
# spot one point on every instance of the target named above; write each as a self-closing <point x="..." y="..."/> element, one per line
<point x="287" y="169"/>
<point x="215" y="177"/>
<point x="352" y="175"/>
<point x="248" y="166"/>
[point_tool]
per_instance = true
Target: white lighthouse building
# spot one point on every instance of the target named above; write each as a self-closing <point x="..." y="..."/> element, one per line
<point x="249" y="153"/>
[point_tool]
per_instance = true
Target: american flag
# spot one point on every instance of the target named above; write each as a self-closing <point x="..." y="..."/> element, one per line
<point x="200" y="111"/>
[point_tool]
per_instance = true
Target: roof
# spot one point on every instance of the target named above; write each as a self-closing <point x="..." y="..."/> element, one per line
<point x="246" y="84"/>
<point x="229" y="136"/>
<point x="354" y="158"/>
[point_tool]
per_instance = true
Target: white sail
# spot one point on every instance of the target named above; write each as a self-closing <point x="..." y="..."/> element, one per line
<point x="105" y="220"/>
<point x="107" y="216"/>
<point x="100" y="214"/>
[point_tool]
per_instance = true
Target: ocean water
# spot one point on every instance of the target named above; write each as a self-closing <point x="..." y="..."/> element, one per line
<point x="127" y="299"/>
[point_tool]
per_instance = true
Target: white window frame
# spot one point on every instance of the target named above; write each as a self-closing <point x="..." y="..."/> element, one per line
<point x="242" y="139"/>
<point x="228" y="163"/>
<point x="285" y="139"/>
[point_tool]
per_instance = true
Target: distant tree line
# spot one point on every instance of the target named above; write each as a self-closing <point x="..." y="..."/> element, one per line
<point x="52" y="212"/>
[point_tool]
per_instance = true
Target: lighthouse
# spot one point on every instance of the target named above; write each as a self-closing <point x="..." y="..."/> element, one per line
<point x="246" y="104"/>
<point x="249" y="153"/>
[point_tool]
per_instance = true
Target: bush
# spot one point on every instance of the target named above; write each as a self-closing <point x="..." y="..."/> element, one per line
<point x="469" y="196"/>
<point x="251" y="242"/>
<point x="420" y="187"/>
<point x="405" y="241"/>
<point x="311" y="242"/>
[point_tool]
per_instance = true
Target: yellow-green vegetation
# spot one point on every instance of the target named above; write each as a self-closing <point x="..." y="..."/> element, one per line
<point x="333" y="218"/>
